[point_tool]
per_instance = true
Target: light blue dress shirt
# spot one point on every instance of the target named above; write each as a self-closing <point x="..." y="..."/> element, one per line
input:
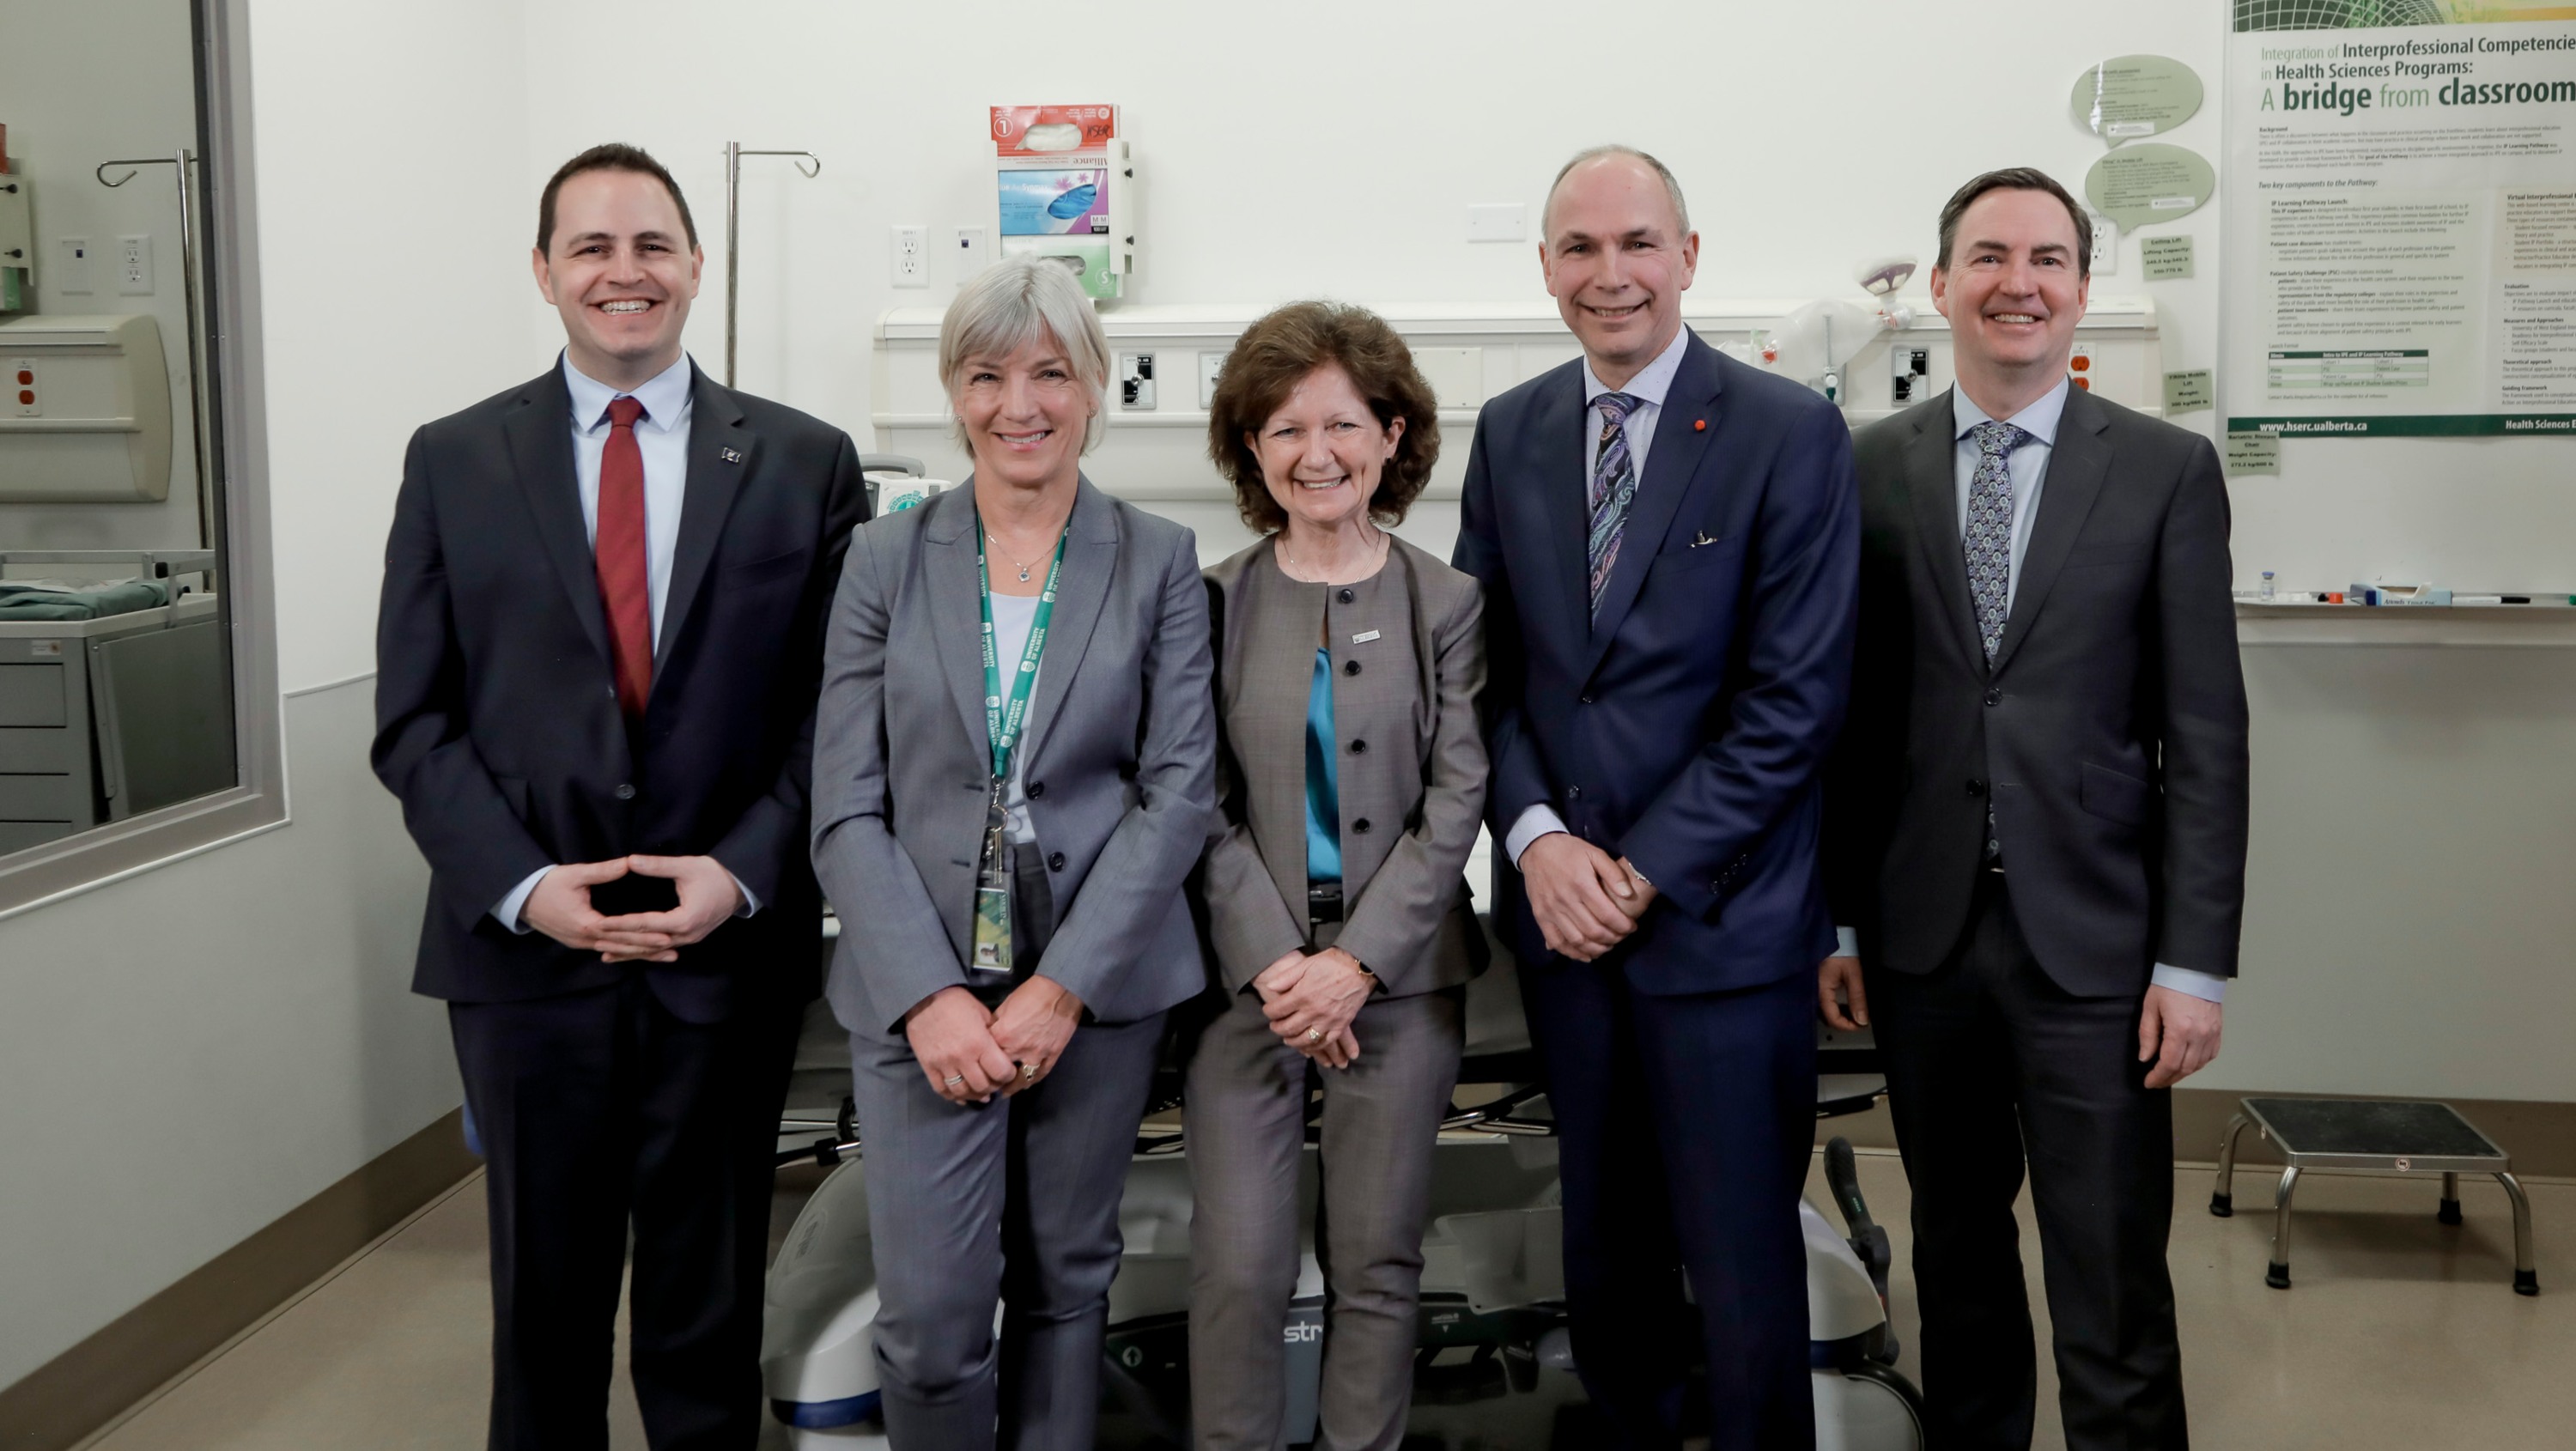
<point x="662" y="437"/>
<point x="2027" y="467"/>
<point x="1649" y="387"/>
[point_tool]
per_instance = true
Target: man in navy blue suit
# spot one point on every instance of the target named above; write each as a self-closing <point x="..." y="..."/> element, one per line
<point x="1668" y="541"/>
<point x="596" y="664"/>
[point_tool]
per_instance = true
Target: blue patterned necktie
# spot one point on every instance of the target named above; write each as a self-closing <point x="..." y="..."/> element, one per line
<point x="1614" y="487"/>
<point x="1990" y="528"/>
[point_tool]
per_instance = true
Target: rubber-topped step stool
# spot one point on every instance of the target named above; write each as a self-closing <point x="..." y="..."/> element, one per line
<point x="2391" y="1136"/>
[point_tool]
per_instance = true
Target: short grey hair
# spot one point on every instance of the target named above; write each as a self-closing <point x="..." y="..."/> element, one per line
<point x="1017" y="301"/>
<point x="1672" y="188"/>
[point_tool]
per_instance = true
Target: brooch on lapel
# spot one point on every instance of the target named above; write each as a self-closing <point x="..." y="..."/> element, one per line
<point x="1701" y="539"/>
<point x="731" y="456"/>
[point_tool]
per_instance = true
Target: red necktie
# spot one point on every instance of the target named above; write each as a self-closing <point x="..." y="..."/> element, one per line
<point x="624" y="587"/>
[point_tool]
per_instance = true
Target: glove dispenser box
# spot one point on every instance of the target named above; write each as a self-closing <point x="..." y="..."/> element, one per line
<point x="84" y="410"/>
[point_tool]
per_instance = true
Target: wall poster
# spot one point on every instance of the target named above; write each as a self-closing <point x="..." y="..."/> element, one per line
<point x="2401" y="218"/>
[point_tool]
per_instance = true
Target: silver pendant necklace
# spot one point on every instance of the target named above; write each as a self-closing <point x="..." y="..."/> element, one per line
<point x="1022" y="568"/>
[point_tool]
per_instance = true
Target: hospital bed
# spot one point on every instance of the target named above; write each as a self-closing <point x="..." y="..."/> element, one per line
<point x="1493" y="1318"/>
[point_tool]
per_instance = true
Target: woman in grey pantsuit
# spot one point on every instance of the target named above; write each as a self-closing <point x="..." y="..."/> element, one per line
<point x="1013" y="774"/>
<point x="1352" y="777"/>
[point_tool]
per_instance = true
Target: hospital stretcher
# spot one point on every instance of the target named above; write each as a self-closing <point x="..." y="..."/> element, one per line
<point x="1493" y="1319"/>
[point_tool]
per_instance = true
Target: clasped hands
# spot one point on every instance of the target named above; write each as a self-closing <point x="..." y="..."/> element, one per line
<point x="560" y="907"/>
<point x="1311" y="1000"/>
<point x="970" y="1052"/>
<point x="1586" y="901"/>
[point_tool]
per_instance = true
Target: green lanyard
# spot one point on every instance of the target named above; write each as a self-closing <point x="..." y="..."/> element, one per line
<point x="1002" y="720"/>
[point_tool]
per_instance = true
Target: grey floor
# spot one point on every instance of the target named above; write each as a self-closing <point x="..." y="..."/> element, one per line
<point x="2401" y="1332"/>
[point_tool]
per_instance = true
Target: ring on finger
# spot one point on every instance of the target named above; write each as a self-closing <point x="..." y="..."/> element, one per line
<point x="1314" y="1035"/>
<point x="1029" y="1071"/>
<point x="955" y="1079"/>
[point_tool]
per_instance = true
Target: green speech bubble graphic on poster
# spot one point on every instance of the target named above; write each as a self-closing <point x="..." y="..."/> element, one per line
<point x="2150" y="182"/>
<point x="2131" y="97"/>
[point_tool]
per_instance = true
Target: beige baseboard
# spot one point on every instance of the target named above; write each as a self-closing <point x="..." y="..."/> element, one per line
<point x="84" y="1388"/>
<point x="2541" y="1137"/>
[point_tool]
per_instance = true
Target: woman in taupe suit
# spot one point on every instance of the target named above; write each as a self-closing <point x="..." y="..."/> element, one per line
<point x="1352" y="778"/>
<point x="1013" y="774"/>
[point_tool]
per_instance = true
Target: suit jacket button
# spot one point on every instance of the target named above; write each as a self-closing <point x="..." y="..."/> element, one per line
<point x="1359" y="748"/>
<point x="1587" y="700"/>
<point x="1036" y="789"/>
<point x="1346" y="596"/>
<point x="1361" y="826"/>
<point x="1976" y="787"/>
<point x="1055" y="861"/>
<point x="1351" y="667"/>
<point x="1994" y="697"/>
<point x="1571" y="792"/>
<point x="625" y="792"/>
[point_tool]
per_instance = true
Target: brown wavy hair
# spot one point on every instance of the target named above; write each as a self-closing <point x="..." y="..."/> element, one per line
<point x="1275" y="354"/>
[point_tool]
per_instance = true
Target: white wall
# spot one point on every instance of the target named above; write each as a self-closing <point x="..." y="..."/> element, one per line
<point x="81" y="84"/>
<point x="188" y="1054"/>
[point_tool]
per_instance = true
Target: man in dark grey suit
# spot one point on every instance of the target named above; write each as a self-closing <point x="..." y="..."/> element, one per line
<point x="2036" y="831"/>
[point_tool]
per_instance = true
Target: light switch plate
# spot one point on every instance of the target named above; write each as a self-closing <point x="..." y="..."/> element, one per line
<point x="1497" y="222"/>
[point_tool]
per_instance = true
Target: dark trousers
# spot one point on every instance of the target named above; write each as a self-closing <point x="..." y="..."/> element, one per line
<point x="1686" y="1127"/>
<point x="599" y="1111"/>
<point x="1990" y="1064"/>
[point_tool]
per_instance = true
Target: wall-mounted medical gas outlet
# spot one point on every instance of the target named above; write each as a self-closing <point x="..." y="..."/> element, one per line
<point x="1210" y="366"/>
<point x="72" y="266"/>
<point x="973" y="251"/>
<point x="1910" y="371"/>
<point x="134" y="266"/>
<point x="1136" y="380"/>
<point x="911" y="256"/>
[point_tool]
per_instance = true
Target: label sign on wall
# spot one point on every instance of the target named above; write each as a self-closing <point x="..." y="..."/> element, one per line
<point x="2152" y="182"/>
<point x="2132" y="97"/>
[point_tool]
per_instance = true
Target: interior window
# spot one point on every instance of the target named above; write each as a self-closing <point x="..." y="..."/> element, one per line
<point x="116" y="682"/>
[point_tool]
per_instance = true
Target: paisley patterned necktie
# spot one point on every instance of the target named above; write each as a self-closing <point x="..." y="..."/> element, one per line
<point x="1990" y="528"/>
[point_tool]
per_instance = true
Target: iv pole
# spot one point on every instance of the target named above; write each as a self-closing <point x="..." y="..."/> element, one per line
<point x="185" y="161"/>
<point x="734" y="153"/>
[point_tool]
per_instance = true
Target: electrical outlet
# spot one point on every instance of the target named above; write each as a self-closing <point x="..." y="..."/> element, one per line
<point x="134" y="266"/>
<point x="22" y="388"/>
<point x="71" y="266"/>
<point x="974" y="250"/>
<point x="1210" y="365"/>
<point x="911" y="256"/>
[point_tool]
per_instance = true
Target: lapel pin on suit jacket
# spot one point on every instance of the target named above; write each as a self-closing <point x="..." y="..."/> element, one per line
<point x="729" y="455"/>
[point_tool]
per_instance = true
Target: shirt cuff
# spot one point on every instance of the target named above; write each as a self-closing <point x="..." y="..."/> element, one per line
<point x="1846" y="942"/>
<point x="508" y="911"/>
<point x="750" y="899"/>
<point x="2208" y="987"/>
<point x="1534" y="823"/>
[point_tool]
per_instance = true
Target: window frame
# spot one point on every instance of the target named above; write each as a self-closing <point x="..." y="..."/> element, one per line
<point x="238" y="440"/>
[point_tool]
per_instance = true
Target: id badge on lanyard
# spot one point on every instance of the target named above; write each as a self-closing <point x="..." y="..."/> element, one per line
<point x="1005" y="711"/>
<point x="993" y="880"/>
